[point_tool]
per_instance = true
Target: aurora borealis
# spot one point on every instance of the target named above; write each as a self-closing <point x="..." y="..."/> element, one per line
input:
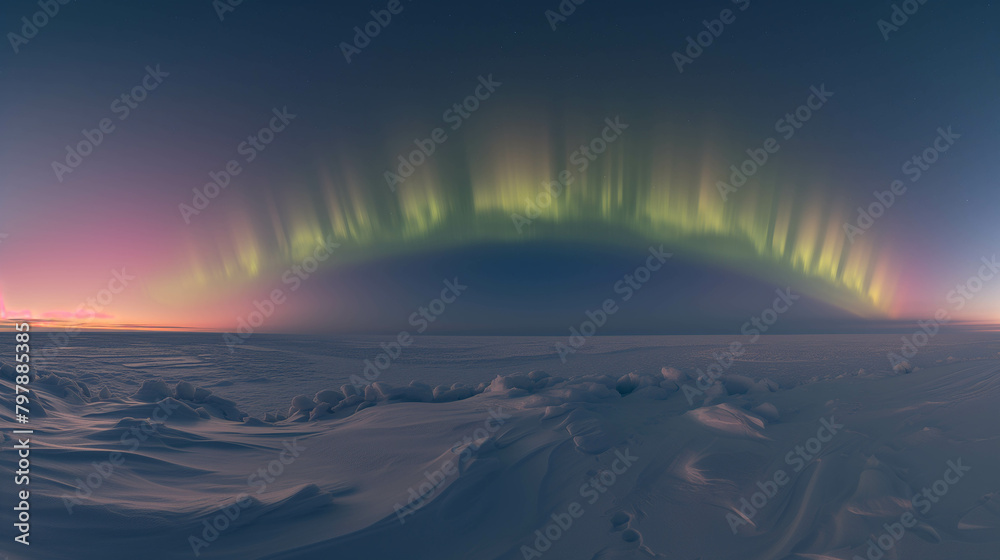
<point x="614" y="150"/>
<point x="508" y="196"/>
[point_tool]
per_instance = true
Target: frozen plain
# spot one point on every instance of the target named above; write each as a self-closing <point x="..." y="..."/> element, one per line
<point x="808" y="447"/>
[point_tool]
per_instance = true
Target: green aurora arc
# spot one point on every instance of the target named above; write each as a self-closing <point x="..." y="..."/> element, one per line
<point x="496" y="191"/>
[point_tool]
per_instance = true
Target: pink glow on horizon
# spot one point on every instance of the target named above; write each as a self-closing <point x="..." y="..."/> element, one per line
<point x="27" y="314"/>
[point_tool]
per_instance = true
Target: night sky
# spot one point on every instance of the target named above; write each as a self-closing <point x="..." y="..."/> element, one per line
<point x="645" y="151"/>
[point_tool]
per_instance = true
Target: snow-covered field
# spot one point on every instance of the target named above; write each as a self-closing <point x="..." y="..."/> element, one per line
<point x="808" y="447"/>
<point x="267" y="371"/>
